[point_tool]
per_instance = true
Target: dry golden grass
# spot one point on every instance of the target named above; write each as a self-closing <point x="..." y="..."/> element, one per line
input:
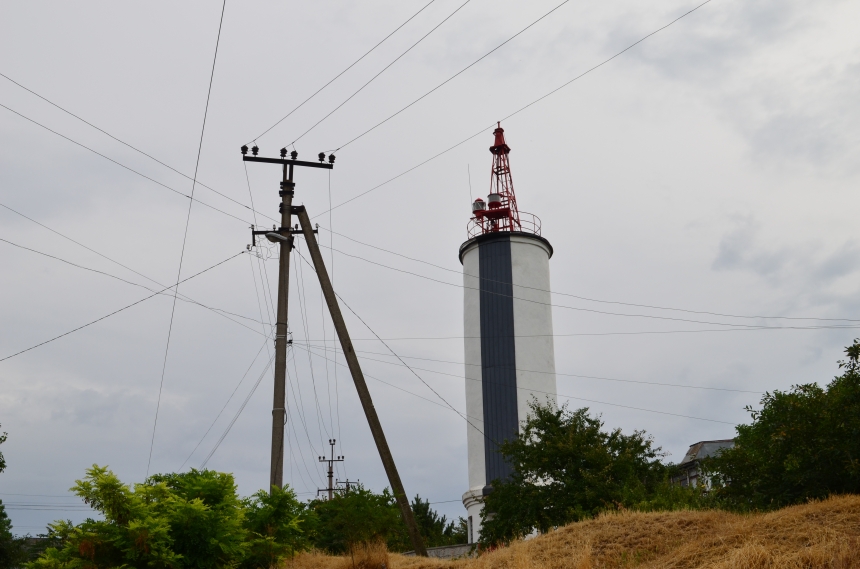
<point x="816" y="535"/>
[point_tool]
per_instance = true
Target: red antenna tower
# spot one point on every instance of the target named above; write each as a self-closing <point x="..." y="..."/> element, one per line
<point x="500" y="212"/>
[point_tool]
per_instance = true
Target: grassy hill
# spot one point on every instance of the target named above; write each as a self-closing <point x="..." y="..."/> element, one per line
<point x="819" y="534"/>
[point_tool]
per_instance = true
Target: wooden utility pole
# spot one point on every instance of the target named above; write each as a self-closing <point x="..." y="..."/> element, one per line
<point x="360" y="383"/>
<point x="283" y="236"/>
<point x="331" y="489"/>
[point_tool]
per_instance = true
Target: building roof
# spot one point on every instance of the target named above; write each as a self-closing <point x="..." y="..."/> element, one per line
<point x="704" y="449"/>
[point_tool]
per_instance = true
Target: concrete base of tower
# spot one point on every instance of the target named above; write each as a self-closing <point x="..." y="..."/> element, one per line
<point x="473" y="500"/>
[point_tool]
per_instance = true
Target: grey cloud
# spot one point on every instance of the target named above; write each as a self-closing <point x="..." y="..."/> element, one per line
<point x="739" y="250"/>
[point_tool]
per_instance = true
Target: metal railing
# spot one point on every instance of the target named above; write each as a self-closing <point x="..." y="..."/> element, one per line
<point x="529" y="223"/>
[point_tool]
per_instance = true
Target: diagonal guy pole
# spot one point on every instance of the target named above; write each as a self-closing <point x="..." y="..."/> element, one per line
<point x="360" y="384"/>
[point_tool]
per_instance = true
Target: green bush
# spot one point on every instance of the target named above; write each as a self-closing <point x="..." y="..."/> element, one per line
<point x="802" y="444"/>
<point x="567" y="468"/>
<point x="358" y="516"/>
<point x="437" y="530"/>
<point x="188" y="520"/>
<point x="275" y="525"/>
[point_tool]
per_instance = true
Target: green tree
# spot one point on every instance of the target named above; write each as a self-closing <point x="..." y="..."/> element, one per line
<point x="566" y="468"/>
<point x="275" y="523"/>
<point x="801" y="444"/>
<point x="204" y="516"/>
<point x="12" y="549"/>
<point x="172" y="521"/>
<point x="358" y="516"/>
<point x="435" y="529"/>
<point x="3" y="438"/>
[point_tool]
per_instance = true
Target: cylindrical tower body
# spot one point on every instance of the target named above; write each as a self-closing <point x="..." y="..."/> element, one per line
<point x="509" y="351"/>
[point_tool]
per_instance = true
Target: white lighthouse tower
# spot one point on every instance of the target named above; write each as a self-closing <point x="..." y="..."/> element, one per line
<point x="510" y="357"/>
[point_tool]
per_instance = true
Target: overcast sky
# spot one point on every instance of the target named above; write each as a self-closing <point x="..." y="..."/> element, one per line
<point x="709" y="171"/>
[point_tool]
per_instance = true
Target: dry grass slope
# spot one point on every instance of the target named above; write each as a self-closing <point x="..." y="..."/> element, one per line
<point x="816" y="535"/>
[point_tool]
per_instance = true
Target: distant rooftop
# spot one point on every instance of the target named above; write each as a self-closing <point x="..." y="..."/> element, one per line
<point x="704" y="449"/>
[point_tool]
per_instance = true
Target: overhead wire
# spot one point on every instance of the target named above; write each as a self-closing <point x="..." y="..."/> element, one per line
<point x="449" y="407"/>
<point x="384" y="69"/>
<point x="237" y="414"/>
<point x="219" y="311"/>
<point x="327" y="375"/>
<point x="124" y="143"/>
<point x="366" y="325"/>
<point x="350" y="66"/>
<point x="579" y="297"/>
<point x="303" y="312"/>
<point x="634" y="333"/>
<point x="288" y="379"/>
<point x="555" y="373"/>
<point x="446" y="81"/>
<point x="218" y="416"/>
<point x="333" y="331"/>
<point x="126" y="307"/>
<point x="310" y="444"/>
<point x="185" y="236"/>
<point x="293" y="457"/>
<point x="270" y="310"/>
<point x="484" y="129"/>
<point x="299" y="402"/>
<point x="264" y="321"/>
<point x="433" y="401"/>
<point x="40" y="495"/>
<point x="121" y="165"/>
<point x="579" y="309"/>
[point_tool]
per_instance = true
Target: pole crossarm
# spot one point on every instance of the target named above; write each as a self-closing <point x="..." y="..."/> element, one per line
<point x="287" y="162"/>
<point x="360" y="383"/>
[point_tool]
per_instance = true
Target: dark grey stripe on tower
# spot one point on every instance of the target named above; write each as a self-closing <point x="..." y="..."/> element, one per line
<point x="498" y="364"/>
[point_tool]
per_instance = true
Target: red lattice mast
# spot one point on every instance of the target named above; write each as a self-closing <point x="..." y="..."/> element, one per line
<point x="500" y="213"/>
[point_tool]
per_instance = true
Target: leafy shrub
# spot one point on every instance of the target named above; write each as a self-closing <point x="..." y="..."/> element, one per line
<point x="358" y="516"/>
<point x="567" y="468"/>
<point x="189" y="520"/>
<point x="802" y="444"/>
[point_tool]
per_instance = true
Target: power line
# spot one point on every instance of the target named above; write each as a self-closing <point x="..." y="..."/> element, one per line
<point x="483" y="130"/>
<point x="334" y="332"/>
<point x="548" y="393"/>
<point x="299" y="447"/>
<point x="380" y="73"/>
<point x="119" y="310"/>
<point x="591" y="310"/>
<point x="299" y="403"/>
<point x="121" y="165"/>
<point x="169" y="167"/>
<point x="219" y="311"/>
<point x="433" y="401"/>
<point x="39" y="495"/>
<point x="303" y="313"/>
<point x="342" y="72"/>
<point x="650" y="306"/>
<point x="398" y="357"/>
<point x="446" y="81"/>
<point x="48" y="509"/>
<point x="635" y="333"/>
<point x="185" y="236"/>
<point x="549" y="373"/>
<point x="218" y="416"/>
<point x="238" y="412"/>
<point x="569" y="397"/>
<point x="114" y="261"/>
